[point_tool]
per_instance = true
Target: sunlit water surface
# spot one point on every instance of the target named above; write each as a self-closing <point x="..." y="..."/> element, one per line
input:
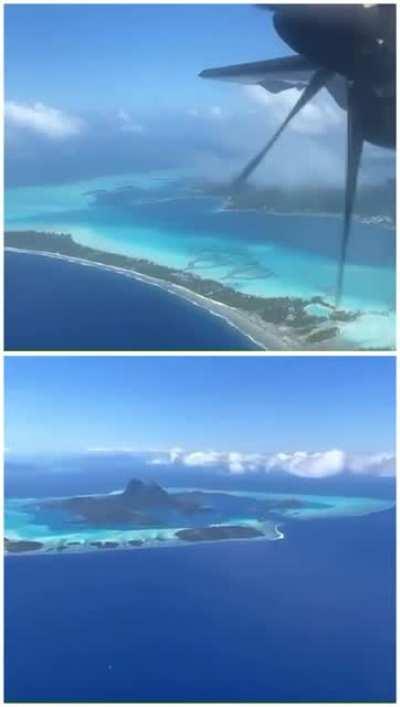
<point x="161" y="218"/>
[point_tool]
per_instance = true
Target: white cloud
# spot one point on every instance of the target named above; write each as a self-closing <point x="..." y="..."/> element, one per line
<point x="216" y="112"/>
<point x="214" y="140"/>
<point x="207" y="112"/>
<point x="235" y="462"/>
<point x="42" y="119"/>
<point x="127" y="124"/>
<point x="175" y="454"/>
<point x="309" y="464"/>
<point x="316" y="118"/>
<point x="201" y="458"/>
<point x="303" y="464"/>
<point x="379" y="464"/>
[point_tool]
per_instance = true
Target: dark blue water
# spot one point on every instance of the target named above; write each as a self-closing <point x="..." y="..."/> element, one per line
<point x="310" y="618"/>
<point x="57" y="305"/>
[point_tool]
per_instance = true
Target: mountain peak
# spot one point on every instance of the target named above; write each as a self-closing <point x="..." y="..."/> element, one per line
<point x="142" y="492"/>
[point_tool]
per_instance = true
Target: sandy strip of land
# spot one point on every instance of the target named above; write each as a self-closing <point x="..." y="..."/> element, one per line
<point x="264" y="335"/>
<point x="88" y="547"/>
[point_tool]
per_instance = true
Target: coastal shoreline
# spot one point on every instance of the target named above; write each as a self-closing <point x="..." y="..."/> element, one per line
<point x="230" y="315"/>
<point x="378" y="220"/>
<point x="261" y="334"/>
<point x="276" y="323"/>
<point x="86" y="548"/>
<point x="137" y="496"/>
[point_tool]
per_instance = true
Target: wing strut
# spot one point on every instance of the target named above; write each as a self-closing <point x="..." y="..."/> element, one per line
<point x="317" y="81"/>
<point x="355" y="140"/>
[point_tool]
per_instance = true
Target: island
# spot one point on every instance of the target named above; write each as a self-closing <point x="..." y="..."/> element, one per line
<point x="22" y="545"/>
<point x="376" y="203"/>
<point x="140" y="504"/>
<point x="146" y="504"/>
<point x="145" y="515"/>
<point x="218" y="532"/>
<point x="273" y="323"/>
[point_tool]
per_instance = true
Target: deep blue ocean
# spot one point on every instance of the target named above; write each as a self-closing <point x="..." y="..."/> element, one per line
<point x="308" y="618"/>
<point x="162" y="217"/>
<point x="58" y="305"/>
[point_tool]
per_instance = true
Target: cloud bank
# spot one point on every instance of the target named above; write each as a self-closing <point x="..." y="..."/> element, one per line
<point x="41" y="119"/>
<point x="213" y="140"/>
<point x="313" y="465"/>
<point x="319" y="117"/>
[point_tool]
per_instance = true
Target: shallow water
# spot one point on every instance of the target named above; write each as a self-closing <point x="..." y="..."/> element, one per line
<point x="159" y="218"/>
<point x="28" y="519"/>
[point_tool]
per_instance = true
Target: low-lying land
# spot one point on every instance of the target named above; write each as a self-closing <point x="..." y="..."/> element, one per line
<point x="376" y="203"/>
<point x="146" y="515"/>
<point x="208" y="534"/>
<point x="277" y="323"/>
<point x="219" y="532"/>
<point x="189" y="516"/>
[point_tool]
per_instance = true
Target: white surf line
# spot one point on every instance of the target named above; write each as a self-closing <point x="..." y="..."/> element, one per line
<point x="171" y="287"/>
<point x="378" y="220"/>
<point x="86" y="546"/>
<point x="280" y="535"/>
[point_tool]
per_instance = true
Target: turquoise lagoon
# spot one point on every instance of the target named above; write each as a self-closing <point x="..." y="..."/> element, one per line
<point x="162" y="218"/>
<point x="21" y="524"/>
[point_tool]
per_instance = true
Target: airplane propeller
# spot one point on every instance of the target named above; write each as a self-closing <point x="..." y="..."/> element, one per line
<point x="355" y="140"/>
<point x="317" y="81"/>
<point x="349" y="50"/>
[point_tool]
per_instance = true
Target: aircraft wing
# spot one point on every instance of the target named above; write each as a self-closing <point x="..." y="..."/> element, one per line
<point x="274" y="75"/>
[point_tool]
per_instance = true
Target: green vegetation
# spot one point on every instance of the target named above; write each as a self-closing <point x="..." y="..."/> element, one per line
<point x="373" y="202"/>
<point x="219" y="532"/>
<point x="22" y="545"/>
<point x="290" y="312"/>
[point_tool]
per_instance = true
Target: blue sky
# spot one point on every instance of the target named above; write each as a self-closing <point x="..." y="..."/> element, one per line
<point x="94" y="90"/>
<point x="258" y="405"/>
<point x="102" y="56"/>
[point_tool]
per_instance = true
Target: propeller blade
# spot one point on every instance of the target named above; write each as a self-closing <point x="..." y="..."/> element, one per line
<point x="317" y="81"/>
<point x="355" y="140"/>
